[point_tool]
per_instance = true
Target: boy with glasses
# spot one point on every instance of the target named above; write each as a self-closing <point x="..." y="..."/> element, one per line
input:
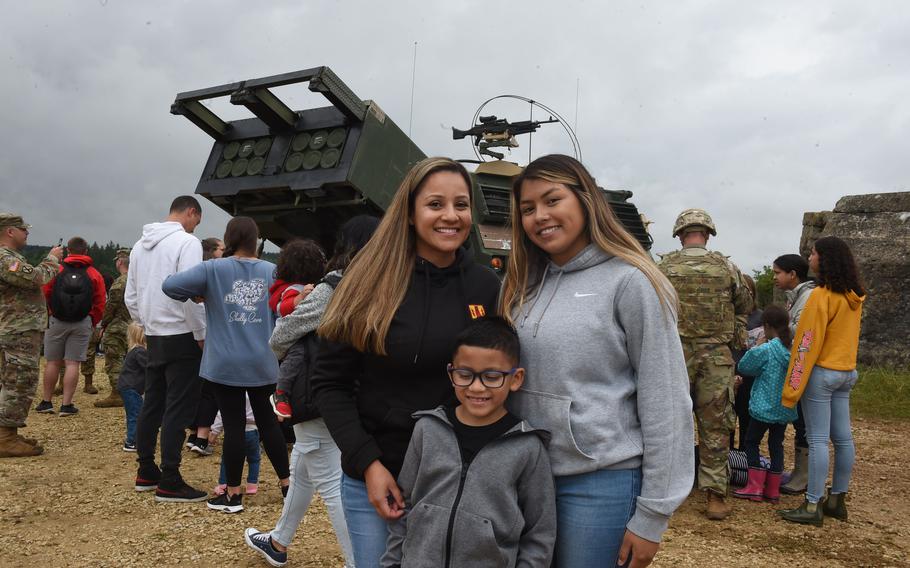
<point x="491" y="503"/>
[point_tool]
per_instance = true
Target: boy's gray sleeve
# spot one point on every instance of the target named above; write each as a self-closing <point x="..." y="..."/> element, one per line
<point x="537" y="500"/>
<point x="304" y="319"/>
<point x="291" y="367"/>
<point x="664" y="406"/>
<point x="406" y="479"/>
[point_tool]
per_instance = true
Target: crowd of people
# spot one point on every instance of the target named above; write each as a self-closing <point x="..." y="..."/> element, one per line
<point x="445" y="417"/>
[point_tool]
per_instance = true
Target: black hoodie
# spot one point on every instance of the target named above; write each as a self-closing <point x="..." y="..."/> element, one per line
<point x="367" y="399"/>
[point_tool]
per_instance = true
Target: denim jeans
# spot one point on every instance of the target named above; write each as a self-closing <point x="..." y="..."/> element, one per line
<point x="253" y="459"/>
<point x="592" y="510"/>
<point x="826" y="407"/>
<point x="368" y="530"/>
<point x="315" y="466"/>
<point x="132" y="404"/>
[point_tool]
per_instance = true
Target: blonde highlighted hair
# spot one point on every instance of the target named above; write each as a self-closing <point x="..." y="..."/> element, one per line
<point x="527" y="261"/>
<point x="135" y="336"/>
<point x="374" y="284"/>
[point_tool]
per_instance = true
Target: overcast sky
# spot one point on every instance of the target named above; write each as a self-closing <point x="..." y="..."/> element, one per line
<point x="755" y="111"/>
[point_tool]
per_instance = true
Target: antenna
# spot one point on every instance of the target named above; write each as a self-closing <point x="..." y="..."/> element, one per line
<point x="577" y="86"/>
<point x="413" y="82"/>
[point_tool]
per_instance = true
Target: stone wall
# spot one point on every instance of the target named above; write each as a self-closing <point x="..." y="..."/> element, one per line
<point x="877" y="228"/>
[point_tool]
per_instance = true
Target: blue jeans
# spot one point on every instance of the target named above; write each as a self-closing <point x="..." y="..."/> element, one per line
<point x="132" y="404"/>
<point x="368" y="530"/>
<point x="826" y="407"/>
<point x="592" y="510"/>
<point x="253" y="459"/>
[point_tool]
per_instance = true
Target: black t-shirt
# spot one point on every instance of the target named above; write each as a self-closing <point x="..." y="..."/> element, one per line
<point x="471" y="439"/>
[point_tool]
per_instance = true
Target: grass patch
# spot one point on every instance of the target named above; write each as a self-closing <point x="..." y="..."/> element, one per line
<point x="882" y="393"/>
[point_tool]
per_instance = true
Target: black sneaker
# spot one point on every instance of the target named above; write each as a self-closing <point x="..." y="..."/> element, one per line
<point x="129" y="447"/>
<point x="45" y="407"/>
<point x="178" y="492"/>
<point x="147" y="481"/>
<point x="201" y="447"/>
<point x="191" y="441"/>
<point x="226" y="504"/>
<point x="262" y="543"/>
<point x="68" y="409"/>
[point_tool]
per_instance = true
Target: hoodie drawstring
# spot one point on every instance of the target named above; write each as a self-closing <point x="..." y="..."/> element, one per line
<point x="544" y="311"/>
<point x="543" y="280"/>
<point x="426" y="312"/>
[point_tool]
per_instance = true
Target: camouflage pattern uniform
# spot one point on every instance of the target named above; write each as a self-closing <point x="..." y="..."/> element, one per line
<point x="88" y="366"/>
<point x="115" y="320"/>
<point x="713" y="306"/>
<point x="23" y="320"/>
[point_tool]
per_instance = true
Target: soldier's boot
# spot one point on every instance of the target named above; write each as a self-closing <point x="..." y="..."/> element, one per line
<point x="29" y="441"/>
<point x="89" y="388"/>
<point x="799" y="477"/>
<point x="11" y="446"/>
<point x="58" y="390"/>
<point x="806" y="514"/>
<point x="755" y="486"/>
<point x="718" y="509"/>
<point x="112" y="400"/>
<point x="835" y="505"/>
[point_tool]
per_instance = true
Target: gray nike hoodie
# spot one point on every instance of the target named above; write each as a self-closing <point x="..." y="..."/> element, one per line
<point x="607" y="378"/>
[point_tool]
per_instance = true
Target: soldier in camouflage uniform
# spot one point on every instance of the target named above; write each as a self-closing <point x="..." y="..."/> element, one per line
<point x="114" y="322"/>
<point x="713" y="305"/>
<point x="88" y="366"/>
<point x="22" y="322"/>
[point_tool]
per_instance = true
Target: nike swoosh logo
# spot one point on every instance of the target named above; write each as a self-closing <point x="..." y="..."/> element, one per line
<point x="577" y="295"/>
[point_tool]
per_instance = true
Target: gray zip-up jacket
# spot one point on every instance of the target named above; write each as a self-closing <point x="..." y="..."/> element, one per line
<point x="499" y="511"/>
<point x="796" y="301"/>
<point x="605" y="375"/>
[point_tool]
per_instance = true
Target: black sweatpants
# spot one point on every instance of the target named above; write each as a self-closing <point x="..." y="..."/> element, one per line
<point x="172" y="387"/>
<point x="232" y="405"/>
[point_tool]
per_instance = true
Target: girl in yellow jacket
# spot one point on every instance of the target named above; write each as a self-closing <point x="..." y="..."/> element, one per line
<point x="823" y="371"/>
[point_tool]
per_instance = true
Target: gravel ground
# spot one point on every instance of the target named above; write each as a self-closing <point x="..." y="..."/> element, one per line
<point x="75" y="506"/>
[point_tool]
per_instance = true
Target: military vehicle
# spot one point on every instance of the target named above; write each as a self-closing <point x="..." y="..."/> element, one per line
<point x="304" y="173"/>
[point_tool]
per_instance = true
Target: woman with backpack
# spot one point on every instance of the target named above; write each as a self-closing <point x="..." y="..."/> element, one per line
<point x="315" y="458"/>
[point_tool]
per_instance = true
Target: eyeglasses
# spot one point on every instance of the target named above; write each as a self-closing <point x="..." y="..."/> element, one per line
<point x="489" y="378"/>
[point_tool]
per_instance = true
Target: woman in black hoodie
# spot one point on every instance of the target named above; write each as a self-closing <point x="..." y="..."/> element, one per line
<point x="388" y="334"/>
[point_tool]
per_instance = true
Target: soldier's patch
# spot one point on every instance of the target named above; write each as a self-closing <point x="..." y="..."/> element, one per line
<point x="14" y="266"/>
<point x="477" y="311"/>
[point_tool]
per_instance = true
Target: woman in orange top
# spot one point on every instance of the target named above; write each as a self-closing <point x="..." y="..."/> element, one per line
<point x="823" y="371"/>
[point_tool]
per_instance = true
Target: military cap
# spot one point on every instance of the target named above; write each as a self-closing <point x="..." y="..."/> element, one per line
<point x="13" y="220"/>
<point x="122" y="253"/>
<point x="694" y="218"/>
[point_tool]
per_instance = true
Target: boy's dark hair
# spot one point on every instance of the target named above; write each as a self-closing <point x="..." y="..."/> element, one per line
<point x="352" y="236"/>
<point x="208" y="247"/>
<point x="241" y="233"/>
<point x="184" y="202"/>
<point x="491" y="332"/>
<point x="77" y="245"/>
<point x="793" y="263"/>
<point x="301" y="261"/>
<point x="777" y="318"/>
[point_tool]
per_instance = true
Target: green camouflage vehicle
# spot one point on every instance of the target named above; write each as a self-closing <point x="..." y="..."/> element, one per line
<point x="304" y="173"/>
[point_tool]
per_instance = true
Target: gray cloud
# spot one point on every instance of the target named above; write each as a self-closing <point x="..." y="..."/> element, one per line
<point x="755" y="112"/>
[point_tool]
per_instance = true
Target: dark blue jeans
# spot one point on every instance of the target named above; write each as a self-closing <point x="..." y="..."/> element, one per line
<point x="253" y="458"/>
<point x="132" y="404"/>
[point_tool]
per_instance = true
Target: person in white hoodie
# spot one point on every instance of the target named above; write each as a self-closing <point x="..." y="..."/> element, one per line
<point x="175" y="332"/>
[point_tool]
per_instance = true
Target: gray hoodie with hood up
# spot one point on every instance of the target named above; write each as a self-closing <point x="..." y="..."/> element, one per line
<point x="605" y="375"/>
<point x="498" y="511"/>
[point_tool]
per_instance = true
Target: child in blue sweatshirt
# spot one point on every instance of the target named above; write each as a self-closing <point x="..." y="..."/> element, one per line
<point x="768" y="363"/>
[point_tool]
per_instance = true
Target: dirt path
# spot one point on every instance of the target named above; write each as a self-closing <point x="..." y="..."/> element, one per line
<point x="75" y="506"/>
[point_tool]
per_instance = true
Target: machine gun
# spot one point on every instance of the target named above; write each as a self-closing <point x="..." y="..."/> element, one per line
<point x="495" y="132"/>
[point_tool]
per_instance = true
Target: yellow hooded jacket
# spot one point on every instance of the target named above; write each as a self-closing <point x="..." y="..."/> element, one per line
<point x="827" y="336"/>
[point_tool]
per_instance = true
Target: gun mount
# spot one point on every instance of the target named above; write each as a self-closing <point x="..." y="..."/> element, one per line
<point x="495" y="132"/>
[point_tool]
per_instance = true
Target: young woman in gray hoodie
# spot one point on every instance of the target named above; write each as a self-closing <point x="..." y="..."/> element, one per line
<point x="605" y="369"/>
